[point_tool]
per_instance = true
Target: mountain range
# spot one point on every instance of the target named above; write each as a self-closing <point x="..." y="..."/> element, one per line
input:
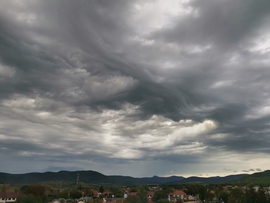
<point x="93" y="177"/>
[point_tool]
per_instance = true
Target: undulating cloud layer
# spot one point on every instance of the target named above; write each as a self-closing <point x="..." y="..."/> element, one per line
<point x="136" y="88"/>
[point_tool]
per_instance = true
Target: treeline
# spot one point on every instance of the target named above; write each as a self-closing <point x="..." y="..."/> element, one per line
<point x="206" y="194"/>
<point x="203" y="193"/>
<point x="44" y="194"/>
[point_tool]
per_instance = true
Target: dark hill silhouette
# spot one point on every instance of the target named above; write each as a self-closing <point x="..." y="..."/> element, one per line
<point x="93" y="177"/>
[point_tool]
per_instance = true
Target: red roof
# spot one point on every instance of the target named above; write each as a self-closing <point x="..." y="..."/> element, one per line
<point x="95" y="193"/>
<point x="8" y="195"/>
<point x="106" y="192"/>
<point x="132" y="193"/>
<point x="178" y="192"/>
<point x="150" y="193"/>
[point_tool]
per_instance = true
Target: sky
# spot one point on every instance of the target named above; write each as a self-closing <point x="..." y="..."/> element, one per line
<point x="137" y="88"/>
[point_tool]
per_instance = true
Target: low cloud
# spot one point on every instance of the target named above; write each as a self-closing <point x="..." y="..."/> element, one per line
<point x="252" y="170"/>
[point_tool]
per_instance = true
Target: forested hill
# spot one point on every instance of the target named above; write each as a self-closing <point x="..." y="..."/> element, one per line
<point x="260" y="178"/>
<point x="94" y="177"/>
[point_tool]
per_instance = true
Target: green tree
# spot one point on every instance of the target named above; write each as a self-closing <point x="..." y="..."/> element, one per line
<point x="223" y="197"/>
<point x="160" y="194"/>
<point x="261" y="197"/>
<point x="142" y="193"/>
<point x="98" y="200"/>
<point x="236" y="196"/>
<point x="192" y="190"/>
<point x="202" y="192"/>
<point x="36" y="190"/>
<point x="167" y="189"/>
<point x="30" y="199"/>
<point x="117" y="192"/>
<point x="179" y="201"/>
<point x="75" y="194"/>
<point x="4" y="188"/>
<point x="251" y="195"/>
<point x="163" y="201"/>
<point x="133" y="199"/>
<point x="32" y="193"/>
<point x="101" y="189"/>
<point x="63" y="194"/>
<point x="209" y="196"/>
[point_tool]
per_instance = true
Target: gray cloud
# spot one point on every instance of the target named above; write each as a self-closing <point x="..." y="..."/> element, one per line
<point x="253" y="170"/>
<point x="183" y="85"/>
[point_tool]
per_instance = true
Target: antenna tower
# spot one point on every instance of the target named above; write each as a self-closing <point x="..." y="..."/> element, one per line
<point x="78" y="178"/>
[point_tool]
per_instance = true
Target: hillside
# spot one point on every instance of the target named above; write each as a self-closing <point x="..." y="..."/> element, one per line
<point x="93" y="177"/>
<point x="212" y="180"/>
<point x="66" y="176"/>
<point x="260" y="178"/>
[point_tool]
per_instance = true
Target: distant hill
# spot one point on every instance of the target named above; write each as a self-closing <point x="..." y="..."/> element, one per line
<point x="260" y="178"/>
<point x="212" y="180"/>
<point x="66" y="176"/>
<point x="126" y="180"/>
<point x="93" y="177"/>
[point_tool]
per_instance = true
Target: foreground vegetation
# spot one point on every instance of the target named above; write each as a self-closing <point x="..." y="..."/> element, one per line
<point x="72" y="193"/>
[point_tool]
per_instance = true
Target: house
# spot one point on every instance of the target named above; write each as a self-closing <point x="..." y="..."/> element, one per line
<point x="95" y="194"/>
<point x="6" y="197"/>
<point x="267" y="190"/>
<point x="132" y="194"/>
<point x="256" y="188"/>
<point x="56" y="201"/>
<point x="190" y="198"/>
<point x="114" y="200"/>
<point x="150" y="194"/>
<point x="176" y="194"/>
<point x="107" y="193"/>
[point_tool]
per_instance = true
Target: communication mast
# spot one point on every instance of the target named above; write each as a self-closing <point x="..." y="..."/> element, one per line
<point x="78" y="178"/>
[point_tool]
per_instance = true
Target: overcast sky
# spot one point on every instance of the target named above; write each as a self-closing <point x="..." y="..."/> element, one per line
<point x="137" y="88"/>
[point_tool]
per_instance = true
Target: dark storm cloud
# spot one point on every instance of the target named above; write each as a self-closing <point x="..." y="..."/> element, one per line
<point x="97" y="79"/>
<point x="225" y="25"/>
<point x="39" y="66"/>
<point x="221" y="23"/>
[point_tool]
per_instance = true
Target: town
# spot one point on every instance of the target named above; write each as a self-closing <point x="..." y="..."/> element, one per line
<point x="81" y="193"/>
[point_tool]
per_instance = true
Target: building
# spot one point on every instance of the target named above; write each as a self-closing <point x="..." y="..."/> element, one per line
<point x="150" y="195"/>
<point x="8" y="197"/>
<point x="176" y="194"/>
